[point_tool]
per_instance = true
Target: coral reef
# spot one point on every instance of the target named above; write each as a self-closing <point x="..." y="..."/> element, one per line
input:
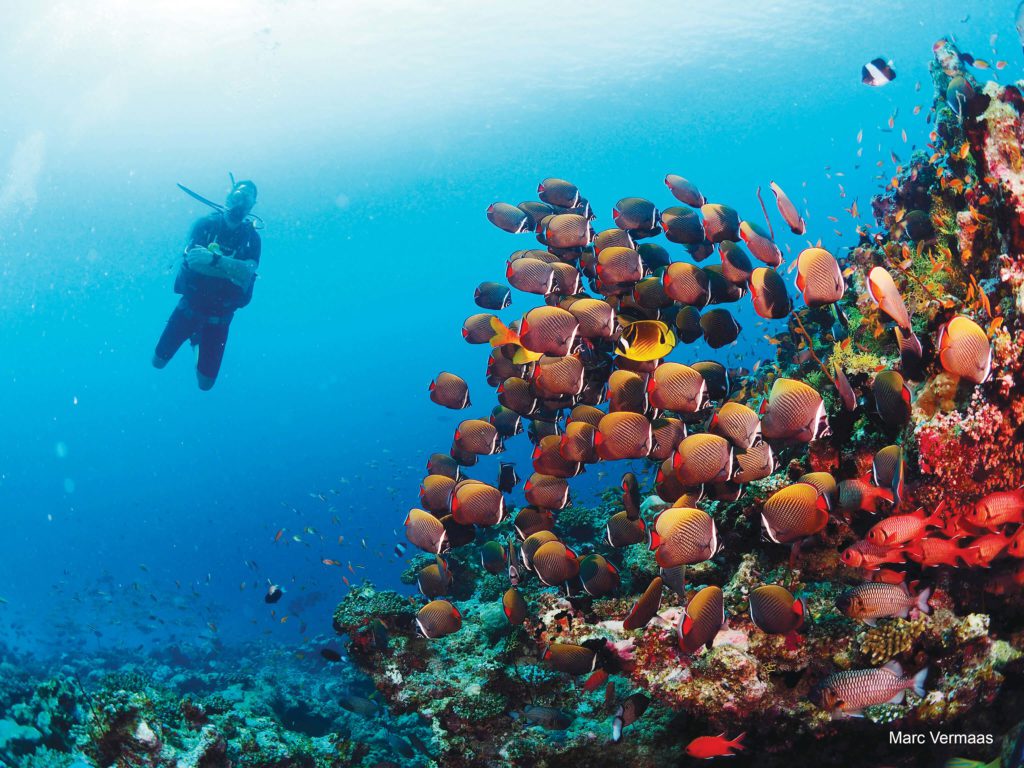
<point x="266" y="708"/>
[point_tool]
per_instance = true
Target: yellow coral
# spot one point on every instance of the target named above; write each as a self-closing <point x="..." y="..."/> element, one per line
<point x="891" y="639"/>
<point x="853" y="361"/>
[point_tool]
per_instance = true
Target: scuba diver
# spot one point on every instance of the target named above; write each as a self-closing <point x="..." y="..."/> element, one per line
<point x="215" y="279"/>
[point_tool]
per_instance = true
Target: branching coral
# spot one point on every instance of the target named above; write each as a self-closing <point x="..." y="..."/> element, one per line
<point x="891" y="639"/>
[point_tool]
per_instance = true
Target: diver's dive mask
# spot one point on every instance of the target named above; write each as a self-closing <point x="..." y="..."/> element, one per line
<point x="241" y="198"/>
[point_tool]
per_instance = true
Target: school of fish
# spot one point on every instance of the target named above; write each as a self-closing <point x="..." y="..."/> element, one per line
<point x="588" y="369"/>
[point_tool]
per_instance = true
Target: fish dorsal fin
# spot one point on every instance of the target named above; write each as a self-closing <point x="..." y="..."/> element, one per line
<point x="895" y="667"/>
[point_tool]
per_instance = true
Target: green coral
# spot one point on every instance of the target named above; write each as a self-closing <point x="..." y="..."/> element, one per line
<point x="1002" y="653"/>
<point x="886" y="713"/>
<point x="580" y="523"/>
<point x="478" y="704"/>
<point x="638" y="563"/>
<point x="364" y="602"/>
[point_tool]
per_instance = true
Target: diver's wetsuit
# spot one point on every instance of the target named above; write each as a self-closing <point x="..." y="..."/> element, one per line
<point x="208" y="303"/>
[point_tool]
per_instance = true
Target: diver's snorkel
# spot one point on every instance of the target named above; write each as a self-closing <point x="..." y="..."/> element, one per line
<point x="238" y="204"/>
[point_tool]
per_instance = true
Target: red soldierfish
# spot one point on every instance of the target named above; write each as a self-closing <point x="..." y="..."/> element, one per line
<point x="864" y="554"/>
<point x="901" y="529"/>
<point x="706" y="747"/>
<point x="933" y="551"/>
<point x="888" y="576"/>
<point x="990" y="546"/>
<point x="998" y="509"/>
<point x="878" y="600"/>
<point x="847" y="693"/>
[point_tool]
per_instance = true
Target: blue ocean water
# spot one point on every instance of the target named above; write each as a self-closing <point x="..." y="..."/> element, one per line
<point x="135" y="507"/>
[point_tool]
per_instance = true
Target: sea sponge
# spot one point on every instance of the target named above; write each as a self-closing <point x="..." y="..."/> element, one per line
<point x="938" y="395"/>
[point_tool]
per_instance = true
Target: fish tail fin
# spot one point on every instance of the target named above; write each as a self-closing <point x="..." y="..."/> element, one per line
<point x="951" y="528"/>
<point x="973" y="558"/>
<point x="523" y="356"/>
<point x="935" y="520"/>
<point x="502" y="333"/>
<point x="969" y="555"/>
<point x="922" y="600"/>
<point x="737" y="743"/>
<point x="919" y="679"/>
